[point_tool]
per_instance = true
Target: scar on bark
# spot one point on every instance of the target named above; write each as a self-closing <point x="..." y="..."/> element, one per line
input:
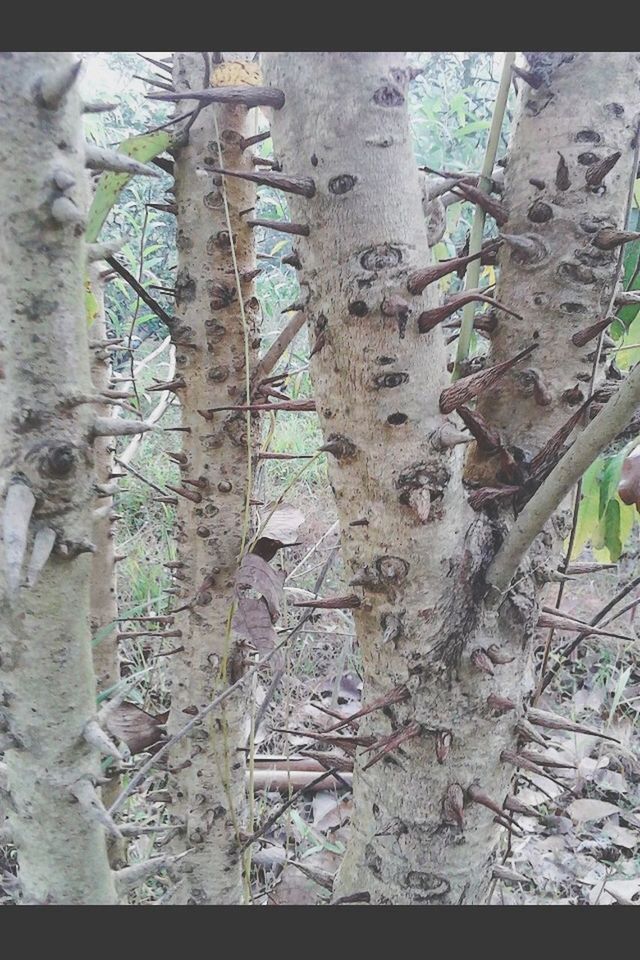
<point x="458" y="609"/>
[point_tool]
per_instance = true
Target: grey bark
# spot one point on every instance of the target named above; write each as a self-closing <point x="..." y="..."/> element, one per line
<point x="209" y="791"/>
<point x="46" y="671"/>
<point x="103" y="593"/>
<point x="421" y="832"/>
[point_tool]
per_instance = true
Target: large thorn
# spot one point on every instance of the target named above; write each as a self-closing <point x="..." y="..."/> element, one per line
<point x="582" y="337"/>
<point x="501" y="872"/>
<point x="18" y="508"/>
<point x="257" y="138"/>
<point x="399" y="694"/>
<point x="51" y="90"/>
<point x="476" y="795"/>
<point x="468" y="387"/>
<point x="64" y="210"/>
<point x="596" y="172"/>
<point x="42" y="547"/>
<point x="95" y="735"/>
<point x="116" y="427"/>
<point x="98" y="106"/>
<point x="525" y="248"/>
<point x="487" y="437"/>
<point x="481" y="496"/>
<point x="282" y="226"/>
<point x="609" y="239"/>
<point x="431" y="318"/>
<point x="494" y="208"/>
<point x="548" y="455"/>
<point x="129" y="877"/>
<point x="551" y="721"/>
<point x="247" y="96"/>
<point x="303" y="186"/>
<point x="352" y="602"/>
<point x="87" y="796"/>
<point x="531" y="77"/>
<point x="422" y="278"/>
<point x="98" y="158"/>
<point x="568" y="625"/>
<point x="576" y="569"/>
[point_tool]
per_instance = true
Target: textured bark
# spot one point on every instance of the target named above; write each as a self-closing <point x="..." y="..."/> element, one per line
<point x="210" y="357"/>
<point x="422" y="832"/>
<point x="564" y="283"/>
<point x="104" y="588"/>
<point x="104" y="596"/>
<point x="47" y="679"/>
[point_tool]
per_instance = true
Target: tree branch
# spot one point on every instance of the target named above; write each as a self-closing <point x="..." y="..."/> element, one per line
<point x="589" y="444"/>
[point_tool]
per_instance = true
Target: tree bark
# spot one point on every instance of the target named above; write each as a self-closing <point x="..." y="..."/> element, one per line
<point x="422" y="832"/>
<point x="214" y="345"/>
<point x="559" y="200"/>
<point x="46" y="437"/>
<point x="104" y="586"/>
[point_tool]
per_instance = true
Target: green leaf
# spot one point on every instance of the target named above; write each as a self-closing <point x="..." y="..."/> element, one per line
<point x="472" y="128"/>
<point x="589" y="509"/>
<point x="143" y="148"/>
<point x="610" y="525"/>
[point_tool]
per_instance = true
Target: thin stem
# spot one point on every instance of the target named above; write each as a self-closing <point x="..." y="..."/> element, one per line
<point x="548" y="497"/>
<point x="477" y="228"/>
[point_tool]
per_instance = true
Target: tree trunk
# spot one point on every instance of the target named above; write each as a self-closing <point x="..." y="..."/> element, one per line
<point x="558" y="266"/>
<point x="104" y="588"/>
<point x="422" y="831"/>
<point x="214" y="346"/>
<point x="104" y="598"/>
<point x="48" y="684"/>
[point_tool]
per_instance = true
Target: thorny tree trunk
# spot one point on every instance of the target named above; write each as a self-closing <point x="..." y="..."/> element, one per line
<point x="411" y="542"/>
<point x="104" y="590"/>
<point x="48" y="684"/>
<point x="566" y="188"/>
<point x="212" y="347"/>
<point x="104" y="598"/>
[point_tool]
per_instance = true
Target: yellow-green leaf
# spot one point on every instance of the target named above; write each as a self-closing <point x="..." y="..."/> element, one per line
<point x="143" y="148"/>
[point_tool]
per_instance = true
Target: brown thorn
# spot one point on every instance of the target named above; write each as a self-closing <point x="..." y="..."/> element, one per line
<point x="596" y="172"/>
<point x="399" y="694"/>
<point x="494" y="208"/>
<point x="500" y="704"/>
<point x="303" y="186"/>
<point x="282" y="226"/>
<point x="465" y="389"/>
<point x="187" y="494"/>
<point x="246" y="142"/>
<point x="392" y="741"/>
<point x="422" y="278"/>
<point x="481" y="661"/>
<point x="583" y="337"/>
<point x="352" y="602"/>
<point x="609" y="239"/>
<point x="241" y="95"/>
<point x="487" y="437"/>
